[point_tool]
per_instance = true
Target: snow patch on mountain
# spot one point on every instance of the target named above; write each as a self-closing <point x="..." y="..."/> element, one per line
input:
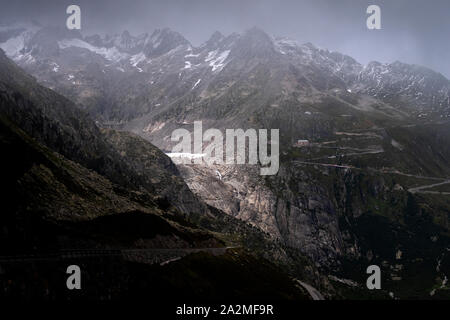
<point x="196" y="84"/>
<point x="13" y="46"/>
<point x="216" y="61"/>
<point x="55" y="67"/>
<point x="111" y="54"/>
<point x="285" y="45"/>
<point x="137" y="59"/>
<point x="186" y="155"/>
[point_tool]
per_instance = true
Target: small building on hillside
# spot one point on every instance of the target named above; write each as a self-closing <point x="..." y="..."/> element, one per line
<point x="301" y="143"/>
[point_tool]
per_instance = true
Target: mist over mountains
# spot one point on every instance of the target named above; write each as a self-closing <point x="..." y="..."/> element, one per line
<point x="410" y="28"/>
<point x="364" y="154"/>
<point x="68" y="62"/>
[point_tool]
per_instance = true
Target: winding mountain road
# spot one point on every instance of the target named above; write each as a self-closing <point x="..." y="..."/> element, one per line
<point x="152" y="256"/>
<point x="421" y="188"/>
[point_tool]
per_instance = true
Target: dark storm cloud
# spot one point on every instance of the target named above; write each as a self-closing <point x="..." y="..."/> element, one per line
<point x="413" y="31"/>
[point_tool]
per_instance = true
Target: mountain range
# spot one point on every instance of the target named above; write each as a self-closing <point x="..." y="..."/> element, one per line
<point x="369" y="185"/>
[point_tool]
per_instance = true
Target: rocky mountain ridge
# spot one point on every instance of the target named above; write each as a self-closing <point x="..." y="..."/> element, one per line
<point x="364" y="127"/>
<point x="159" y="68"/>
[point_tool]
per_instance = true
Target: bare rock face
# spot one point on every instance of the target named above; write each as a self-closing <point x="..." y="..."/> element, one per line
<point x="236" y="190"/>
<point x="306" y="221"/>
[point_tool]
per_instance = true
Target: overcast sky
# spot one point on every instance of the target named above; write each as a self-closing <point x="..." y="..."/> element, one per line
<point x="413" y="31"/>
